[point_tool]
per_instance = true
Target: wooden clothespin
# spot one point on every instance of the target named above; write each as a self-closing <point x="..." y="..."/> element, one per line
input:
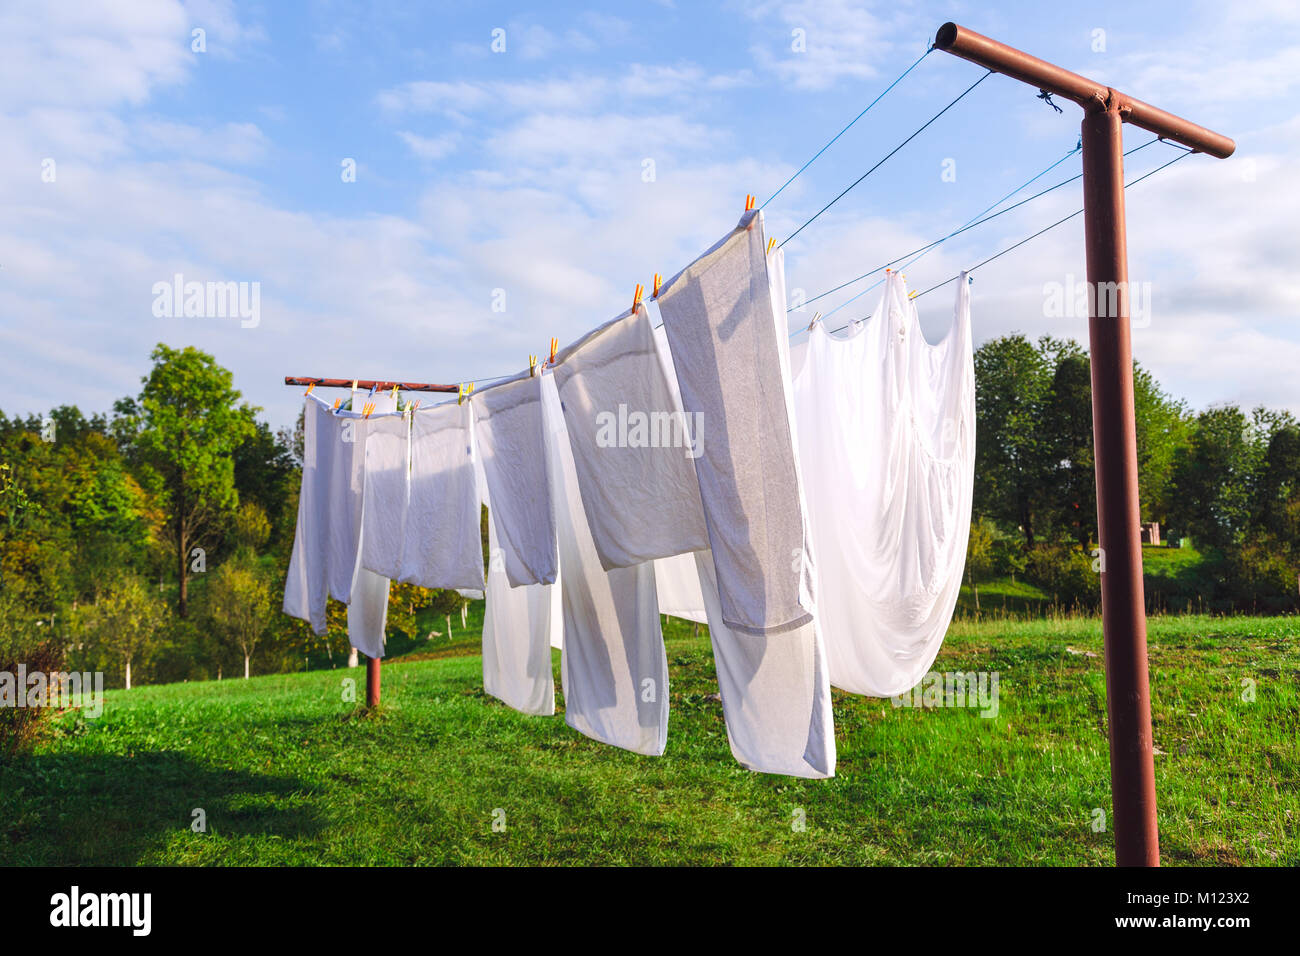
<point x="658" y="279"/>
<point x="636" y="296"/>
<point x="816" y="316"/>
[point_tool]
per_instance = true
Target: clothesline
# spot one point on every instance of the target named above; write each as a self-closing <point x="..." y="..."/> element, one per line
<point x="940" y="285"/>
<point x="979" y="220"/>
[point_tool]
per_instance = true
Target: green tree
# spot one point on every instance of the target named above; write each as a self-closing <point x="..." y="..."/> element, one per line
<point x="187" y="425"/>
<point x="126" y="623"/>
<point x="1011" y="380"/>
<point x="241" y="605"/>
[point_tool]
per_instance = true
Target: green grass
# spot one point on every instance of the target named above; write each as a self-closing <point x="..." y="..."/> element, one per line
<point x="288" y="772"/>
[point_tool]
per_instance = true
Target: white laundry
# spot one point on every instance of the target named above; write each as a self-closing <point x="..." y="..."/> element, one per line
<point x="518" y="624"/>
<point x="442" y="545"/>
<point x="677" y="584"/>
<point x="306" y="587"/>
<point x="634" y="451"/>
<point x="510" y="442"/>
<point x="368" y="594"/>
<point x="719" y="318"/>
<point x="886" y="437"/>
<point x="776" y="692"/>
<point x="384" y="495"/>
<point x="613" y="668"/>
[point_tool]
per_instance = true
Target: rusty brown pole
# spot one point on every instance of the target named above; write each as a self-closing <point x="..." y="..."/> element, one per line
<point x="1123" y="607"/>
<point x="372" y="681"/>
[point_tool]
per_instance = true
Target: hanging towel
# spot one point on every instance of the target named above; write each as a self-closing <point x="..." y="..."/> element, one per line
<point x="510" y="441"/>
<point x="633" y="450"/>
<point x="887" y="439"/>
<point x="368" y="594"/>
<point x="776" y="692"/>
<point x="677" y="584"/>
<point x="443" y="547"/>
<point x="517" y="638"/>
<point x="306" y="587"/>
<point x="613" y="666"/>
<point x="520" y="625"/>
<point x="384" y="496"/>
<point x="718" y="316"/>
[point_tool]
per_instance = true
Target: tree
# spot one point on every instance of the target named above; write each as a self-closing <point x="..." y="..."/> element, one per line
<point x="1163" y="427"/>
<point x="186" y="424"/>
<point x="1071" y="498"/>
<point x="1011" y="379"/>
<point x="1214" y="477"/>
<point x="241" y="606"/>
<point x="126" y="622"/>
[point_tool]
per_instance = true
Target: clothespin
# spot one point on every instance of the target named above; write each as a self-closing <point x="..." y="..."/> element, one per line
<point x="658" y="279"/>
<point x="394" y="395"/>
<point x="555" y="344"/>
<point x="749" y="202"/>
<point x="309" y="388"/>
<point x="913" y="294"/>
<point x="636" y="296"/>
<point x="770" y="243"/>
<point x="463" y="392"/>
<point x="532" y="365"/>
<point x="816" y="316"/>
<point x="337" y="403"/>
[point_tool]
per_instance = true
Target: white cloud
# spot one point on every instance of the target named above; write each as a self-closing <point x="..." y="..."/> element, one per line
<point x="429" y="148"/>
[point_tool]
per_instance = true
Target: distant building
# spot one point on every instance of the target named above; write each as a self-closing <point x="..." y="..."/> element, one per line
<point x="1151" y="532"/>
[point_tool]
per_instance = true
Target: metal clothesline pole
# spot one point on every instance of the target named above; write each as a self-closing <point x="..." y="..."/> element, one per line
<point x="1128" y="695"/>
<point x="373" y="665"/>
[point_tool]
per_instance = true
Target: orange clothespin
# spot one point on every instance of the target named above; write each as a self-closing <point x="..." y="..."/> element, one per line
<point x="770" y="244"/>
<point x="337" y="403"/>
<point x="636" y="296"/>
<point x="309" y="388"/>
<point x="749" y="202"/>
<point x="658" y="279"/>
<point x="816" y="316"/>
<point x="555" y="344"/>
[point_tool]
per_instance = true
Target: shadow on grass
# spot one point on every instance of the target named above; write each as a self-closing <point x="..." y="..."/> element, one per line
<point x="110" y="810"/>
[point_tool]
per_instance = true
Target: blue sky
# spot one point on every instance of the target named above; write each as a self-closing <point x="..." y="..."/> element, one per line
<point x="523" y="171"/>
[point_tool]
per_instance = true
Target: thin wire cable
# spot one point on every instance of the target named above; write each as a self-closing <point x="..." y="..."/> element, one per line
<point x="887" y="156"/>
<point x="998" y="255"/>
<point x="978" y="221"/>
<point x="847" y="128"/>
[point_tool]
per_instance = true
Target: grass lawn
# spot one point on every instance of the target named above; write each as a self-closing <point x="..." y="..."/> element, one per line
<point x="288" y="772"/>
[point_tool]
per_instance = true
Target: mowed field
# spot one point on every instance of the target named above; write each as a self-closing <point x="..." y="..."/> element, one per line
<point x="286" y="771"/>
